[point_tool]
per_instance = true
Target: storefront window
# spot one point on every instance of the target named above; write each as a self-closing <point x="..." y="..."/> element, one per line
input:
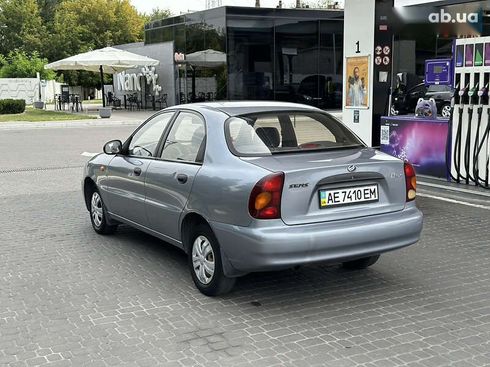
<point x="250" y="58"/>
<point x="296" y="60"/>
<point x="268" y="54"/>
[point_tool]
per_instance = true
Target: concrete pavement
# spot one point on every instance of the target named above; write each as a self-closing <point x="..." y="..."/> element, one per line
<point x="69" y="297"/>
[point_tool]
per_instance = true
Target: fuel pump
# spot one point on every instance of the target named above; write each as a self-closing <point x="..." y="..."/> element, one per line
<point x="469" y="125"/>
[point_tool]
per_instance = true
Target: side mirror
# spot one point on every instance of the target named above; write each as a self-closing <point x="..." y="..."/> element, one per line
<point x="113" y="147"/>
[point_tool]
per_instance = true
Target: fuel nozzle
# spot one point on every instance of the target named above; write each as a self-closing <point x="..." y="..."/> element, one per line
<point x="483" y="95"/>
<point x="473" y="95"/>
<point x="463" y="95"/>
<point x="455" y="98"/>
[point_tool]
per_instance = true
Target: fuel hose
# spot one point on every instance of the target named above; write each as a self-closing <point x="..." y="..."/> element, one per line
<point x="481" y="144"/>
<point x="467" y="148"/>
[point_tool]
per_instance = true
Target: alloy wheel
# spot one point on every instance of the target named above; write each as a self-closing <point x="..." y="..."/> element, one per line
<point x="203" y="259"/>
<point x="96" y="209"/>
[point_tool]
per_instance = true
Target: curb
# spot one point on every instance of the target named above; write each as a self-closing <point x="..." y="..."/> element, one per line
<point x="65" y="124"/>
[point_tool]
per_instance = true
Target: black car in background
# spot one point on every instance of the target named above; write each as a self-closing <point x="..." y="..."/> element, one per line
<point x="320" y="91"/>
<point x="404" y="100"/>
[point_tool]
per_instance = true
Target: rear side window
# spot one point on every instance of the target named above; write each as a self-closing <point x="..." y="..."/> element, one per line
<point x="287" y="132"/>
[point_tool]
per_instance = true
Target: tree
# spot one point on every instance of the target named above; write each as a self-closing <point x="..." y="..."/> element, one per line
<point x="157" y="14"/>
<point x="21" y="26"/>
<point x="47" y="10"/>
<point x="80" y="26"/>
<point x="19" y="64"/>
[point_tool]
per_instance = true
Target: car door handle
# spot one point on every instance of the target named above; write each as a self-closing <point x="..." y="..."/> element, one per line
<point x="137" y="171"/>
<point x="182" y="178"/>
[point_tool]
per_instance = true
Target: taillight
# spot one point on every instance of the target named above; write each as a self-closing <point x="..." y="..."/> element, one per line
<point x="410" y="181"/>
<point x="265" y="199"/>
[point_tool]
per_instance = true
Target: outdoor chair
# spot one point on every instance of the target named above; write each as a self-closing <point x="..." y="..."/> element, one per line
<point x="134" y="102"/>
<point x="116" y="102"/>
<point x="57" y="102"/>
<point x="162" y="101"/>
<point x="112" y="100"/>
<point x="76" y="103"/>
<point x="63" y="101"/>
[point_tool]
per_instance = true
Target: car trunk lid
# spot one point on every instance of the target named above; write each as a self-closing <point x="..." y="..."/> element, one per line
<point x="308" y="173"/>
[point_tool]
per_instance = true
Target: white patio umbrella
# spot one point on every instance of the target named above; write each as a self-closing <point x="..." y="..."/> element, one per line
<point x="206" y="58"/>
<point x="203" y="59"/>
<point x="108" y="59"/>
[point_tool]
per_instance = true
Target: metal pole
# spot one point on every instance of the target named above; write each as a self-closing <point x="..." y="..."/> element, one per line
<point x="185" y="84"/>
<point x="193" y="84"/>
<point x="390" y="95"/>
<point x="102" y="85"/>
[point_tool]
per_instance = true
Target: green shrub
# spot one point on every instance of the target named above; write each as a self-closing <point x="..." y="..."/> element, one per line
<point x="11" y="106"/>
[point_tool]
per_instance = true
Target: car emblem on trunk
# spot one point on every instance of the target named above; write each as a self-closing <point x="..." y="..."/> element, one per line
<point x="351" y="168"/>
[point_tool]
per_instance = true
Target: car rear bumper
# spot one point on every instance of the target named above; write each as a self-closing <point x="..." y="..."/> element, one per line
<point x="272" y="245"/>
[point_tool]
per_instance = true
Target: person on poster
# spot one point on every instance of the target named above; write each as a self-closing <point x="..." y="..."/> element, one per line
<point x="357" y="89"/>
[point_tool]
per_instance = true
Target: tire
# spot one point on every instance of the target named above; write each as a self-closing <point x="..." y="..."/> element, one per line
<point x="446" y="110"/>
<point x="360" y="263"/>
<point x="204" y="255"/>
<point x="98" y="215"/>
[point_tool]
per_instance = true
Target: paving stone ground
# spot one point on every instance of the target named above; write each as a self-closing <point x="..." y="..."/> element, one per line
<point x="69" y="297"/>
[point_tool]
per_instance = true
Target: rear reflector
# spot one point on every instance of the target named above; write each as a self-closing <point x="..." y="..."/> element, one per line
<point x="265" y="198"/>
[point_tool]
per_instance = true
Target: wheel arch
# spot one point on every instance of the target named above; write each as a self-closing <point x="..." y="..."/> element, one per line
<point x="193" y="219"/>
<point x="88" y="188"/>
<point x="189" y="221"/>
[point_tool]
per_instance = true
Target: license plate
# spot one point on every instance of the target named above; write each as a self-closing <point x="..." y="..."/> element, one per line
<point x="348" y="195"/>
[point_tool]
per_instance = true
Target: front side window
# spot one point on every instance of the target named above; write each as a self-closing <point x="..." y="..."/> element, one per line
<point x="145" y="141"/>
<point x="186" y="139"/>
<point x="287" y="132"/>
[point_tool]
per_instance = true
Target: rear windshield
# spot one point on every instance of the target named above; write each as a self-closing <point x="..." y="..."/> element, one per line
<point x="287" y="132"/>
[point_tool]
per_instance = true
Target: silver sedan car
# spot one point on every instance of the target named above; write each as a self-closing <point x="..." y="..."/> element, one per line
<point x="253" y="186"/>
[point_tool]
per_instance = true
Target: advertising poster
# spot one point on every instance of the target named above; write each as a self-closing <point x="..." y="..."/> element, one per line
<point x="421" y="142"/>
<point x="487" y="54"/>
<point x="468" y="60"/>
<point x="478" y="54"/>
<point x="459" y="56"/>
<point x="357" y="76"/>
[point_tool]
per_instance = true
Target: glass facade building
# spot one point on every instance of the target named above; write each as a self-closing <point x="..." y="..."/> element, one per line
<point x="271" y="54"/>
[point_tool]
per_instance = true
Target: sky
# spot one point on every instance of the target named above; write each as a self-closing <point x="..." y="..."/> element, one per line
<point x="179" y="6"/>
